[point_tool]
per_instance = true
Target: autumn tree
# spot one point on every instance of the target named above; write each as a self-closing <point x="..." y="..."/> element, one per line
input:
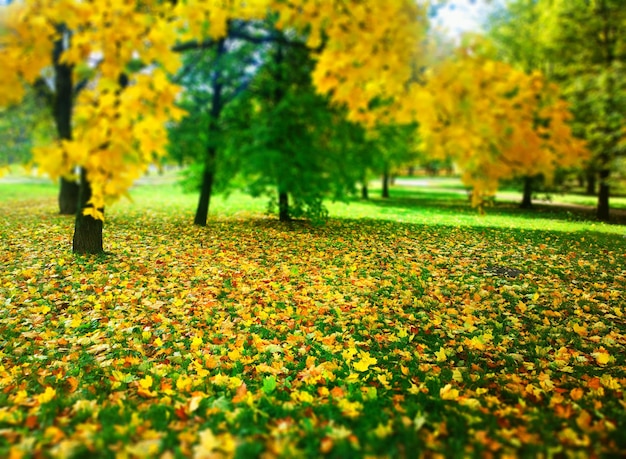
<point x="116" y="128"/>
<point x="118" y="120"/>
<point x="494" y="121"/>
<point x="513" y="30"/>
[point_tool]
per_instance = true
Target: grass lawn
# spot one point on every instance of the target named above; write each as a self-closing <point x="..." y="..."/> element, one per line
<point x="401" y="328"/>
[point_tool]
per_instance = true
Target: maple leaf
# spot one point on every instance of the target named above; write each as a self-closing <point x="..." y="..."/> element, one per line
<point x="364" y="362"/>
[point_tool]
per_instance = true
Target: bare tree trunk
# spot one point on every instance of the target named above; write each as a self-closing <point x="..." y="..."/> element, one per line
<point x="202" y="212"/>
<point x="591" y="182"/>
<point x="527" y="198"/>
<point x="283" y="206"/>
<point x="87" y="230"/>
<point x="68" y="197"/>
<point x="386" y="180"/>
<point x="62" y="111"/>
<point x="603" y="209"/>
<point x="208" y="174"/>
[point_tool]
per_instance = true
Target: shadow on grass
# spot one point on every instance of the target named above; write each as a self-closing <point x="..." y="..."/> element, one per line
<point x="404" y="201"/>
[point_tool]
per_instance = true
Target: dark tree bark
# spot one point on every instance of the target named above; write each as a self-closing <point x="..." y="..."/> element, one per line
<point x="68" y="197"/>
<point x="208" y="174"/>
<point x="591" y="182"/>
<point x="202" y="212"/>
<point x="364" y="191"/>
<point x="386" y="181"/>
<point x="283" y="206"/>
<point x="527" y="197"/>
<point x="62" y="111"/>
<point x="603" y="196"/>
<point x="87" y="230"/>
<point x="284" y="214"/>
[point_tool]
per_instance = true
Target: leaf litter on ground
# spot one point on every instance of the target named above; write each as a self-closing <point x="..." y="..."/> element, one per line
<point x="358" y="338"/>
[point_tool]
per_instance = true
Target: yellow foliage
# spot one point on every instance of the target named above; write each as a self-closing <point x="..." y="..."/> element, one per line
<point x="494" y="121"/>
<point x="368" y="54"/>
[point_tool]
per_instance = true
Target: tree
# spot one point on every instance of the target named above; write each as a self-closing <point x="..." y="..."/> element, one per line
<point x="212" y="78"/>
<point x="21" y="127"/>
<point x="62" y="107"/>
<point x="587" y="43"/>
<point x="513" y="30"/>
<point x="496" y="122"/>
<point x="116" y="128"/>
<point x="119" y="119"/>
<point x="288" y="146"/>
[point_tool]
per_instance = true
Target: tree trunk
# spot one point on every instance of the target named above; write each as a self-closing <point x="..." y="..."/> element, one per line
<point x="603" y="196"/>
<point x="527" y="198"/>
<point x="283" y="206"/>
<point x="386" y="179"/>
<point x="62" y="112"/>
<point x="202" y="212"/>
<point x="68" y="197"/>
<point x="208" y="174"/>
<point x="87" y="230"/>
<point x="364" y="191"/>
<point x="591" y="182"/>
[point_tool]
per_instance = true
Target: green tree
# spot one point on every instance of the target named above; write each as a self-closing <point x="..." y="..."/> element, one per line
<point x="295" y="147"/>
<point x="586" y="41"/>
<point x="21" y="127"/>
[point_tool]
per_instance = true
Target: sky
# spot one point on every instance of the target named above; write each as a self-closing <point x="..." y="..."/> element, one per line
<point x="464" y="15"/>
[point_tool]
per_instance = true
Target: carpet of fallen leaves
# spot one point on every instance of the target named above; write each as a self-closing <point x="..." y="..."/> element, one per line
<point x="360" y="338"/>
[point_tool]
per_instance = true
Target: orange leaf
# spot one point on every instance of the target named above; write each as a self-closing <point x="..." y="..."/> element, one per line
<point x="577" y="393"/>
<point x="584" y="420"/>
<point x="241" y="393"/>
<point x="73" y="383"/>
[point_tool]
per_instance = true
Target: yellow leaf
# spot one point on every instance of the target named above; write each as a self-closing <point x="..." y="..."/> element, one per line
<point x="579" y="330"/>
<point x="196" y="342"/>
<point x="365" y="361"/>
<point x="302" y="396"/>
<point x="184" y="383"/>
<point x="234" y="355"/>
<point x="441" y="355"/>
<point x="21" y="396"/>
<point x="146" y="383"/>
<point x="448" y="393"/>
<point x="48" y="395"/>
<point x="383" y="430"/>
<point x="602" y="357"/>
<point x="348" y="354"/>
<point x="194" y="403"/>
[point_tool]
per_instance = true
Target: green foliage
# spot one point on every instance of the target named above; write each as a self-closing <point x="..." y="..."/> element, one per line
<point x="587" y="46"/>
<point x="288" y="139"/>
<point x="23" y="126"/>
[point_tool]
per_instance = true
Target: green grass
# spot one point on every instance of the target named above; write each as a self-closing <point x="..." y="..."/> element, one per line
<point x="402" y="326"/>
